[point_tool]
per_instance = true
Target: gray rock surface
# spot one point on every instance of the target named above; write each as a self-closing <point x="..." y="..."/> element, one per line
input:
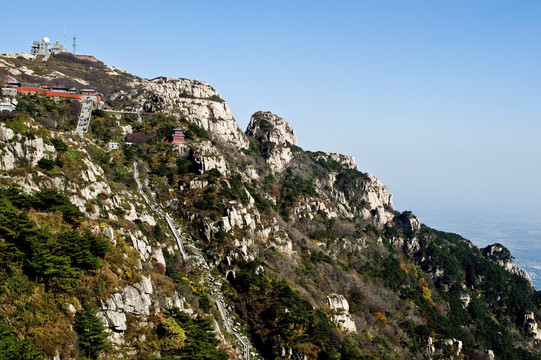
<point x="275" y="135"/>
<point x="339" y="307"/>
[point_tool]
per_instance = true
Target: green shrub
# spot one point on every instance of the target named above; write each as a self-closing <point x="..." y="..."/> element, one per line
<point x="55" y="260"/>
<point x="204" y="303"/>
<point x="318" y="256"/>
<point x="99" y="113"/>
<point x="236" y="190"/>
<point x="213" y="175"/>
<point x="292" y="188"/>
<point x="200" y="342"/>
<point x="58" y="162"/>
<point x="59" y="145"/>
<point x="52" y="200"/>
<point x="172" y="329"/>
<point x="279" y="316"/>
<point x="195" y="131"/>
<point x="185" y="166"/>
<point x="12" y="348"/>
<point x="46" y="164"/>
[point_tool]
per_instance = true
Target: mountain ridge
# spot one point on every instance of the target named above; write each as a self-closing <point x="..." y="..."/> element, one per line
<point x="315" y="261"/>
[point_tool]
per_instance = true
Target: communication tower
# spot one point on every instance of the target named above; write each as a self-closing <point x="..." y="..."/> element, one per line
<point x="74" y="46"/>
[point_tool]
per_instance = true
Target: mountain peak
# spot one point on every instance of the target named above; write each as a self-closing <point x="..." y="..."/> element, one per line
<point x="266" y="126"/>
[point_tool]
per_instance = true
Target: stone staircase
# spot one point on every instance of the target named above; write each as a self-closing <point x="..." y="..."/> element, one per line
<point x="84" y="117"/>
<point x="198" y="258"/>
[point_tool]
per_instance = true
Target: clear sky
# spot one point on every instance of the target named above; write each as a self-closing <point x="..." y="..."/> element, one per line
<point x="439" y="99"/>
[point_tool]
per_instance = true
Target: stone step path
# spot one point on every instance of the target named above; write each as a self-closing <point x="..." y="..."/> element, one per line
<point x="180" y="243"/>
<point x="199" y="259"/>
<point x="216" y="294"/>
<point x="84" y="117"/>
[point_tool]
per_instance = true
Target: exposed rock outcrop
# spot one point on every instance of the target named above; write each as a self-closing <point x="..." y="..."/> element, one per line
<point x="531" y="325"/>
<point x="265" y="125"/>
<point x="135" y="300"/>
<point x="275" y="136"/>
<point x="195" y="100"/>
<point x="345" y="160"/>
<point x="378" y="199"/>
<point x="339" y="307"/>
<point x="207" y="157"/>
<point x="409" y="223"/>
<point x="500" y="255"/>
<point x="443" y="348"/>
<point x="18" y="150"/>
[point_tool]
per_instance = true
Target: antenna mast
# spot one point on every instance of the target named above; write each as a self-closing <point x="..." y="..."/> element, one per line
<point x="74" y="46"/>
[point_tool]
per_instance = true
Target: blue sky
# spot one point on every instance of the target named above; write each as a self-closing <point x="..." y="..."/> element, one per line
<point x="439" y="99"/>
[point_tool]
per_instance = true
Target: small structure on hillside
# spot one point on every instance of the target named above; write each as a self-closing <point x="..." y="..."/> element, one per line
<point x="55" y="91"/>
<point x="57" y="48"/>
<point x="7" y="106"/>
<point x="43" y="47"/>
<point x="90" y="58"/>
<point x="88" y="91"/>
<point x="7" y="99"/>
<point x="11" y="81"/>
<point x="178" y="135"/>
<point x="111" y="145"/>
<point x="9" y="92"/>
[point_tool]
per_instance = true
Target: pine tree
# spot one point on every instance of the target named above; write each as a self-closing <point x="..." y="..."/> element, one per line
<point x="92" y="335"/>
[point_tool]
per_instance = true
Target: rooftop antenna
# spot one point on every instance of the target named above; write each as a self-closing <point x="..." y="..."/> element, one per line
<point x="74" y="46"/>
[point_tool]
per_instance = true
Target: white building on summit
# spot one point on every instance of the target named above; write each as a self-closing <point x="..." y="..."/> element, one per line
<point x="43" y="47"/>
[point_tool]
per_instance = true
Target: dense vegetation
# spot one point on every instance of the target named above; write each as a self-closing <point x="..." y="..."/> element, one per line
<point x="280" y="316"/>
<point x="189" y="338"/>
<point x="41" y="264"/>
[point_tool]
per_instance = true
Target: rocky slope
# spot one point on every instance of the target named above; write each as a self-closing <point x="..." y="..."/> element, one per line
<point x="230" y="245"/>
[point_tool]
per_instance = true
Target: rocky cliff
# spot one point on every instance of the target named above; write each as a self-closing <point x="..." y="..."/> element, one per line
<point x="229" y="245"/>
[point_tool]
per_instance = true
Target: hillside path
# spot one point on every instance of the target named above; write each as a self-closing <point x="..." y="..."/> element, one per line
<point x="84" y="117"/>
<point x="197" y="257"/>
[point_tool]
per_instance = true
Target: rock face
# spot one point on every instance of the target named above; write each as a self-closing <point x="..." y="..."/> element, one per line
<point x="207" y="157"/>
<point x="267" y="126"/>
<point x="345" y="160"/>
<point x="531" y="325"/>
<point x="500" y="255"/>
<point x="408" y="223"/>
<point x="17" y="150"/>
<point x="238" y="217"/>
<point x="5" y="133"/>
<point x="376" y="193"/>
<point x="195" y="100"/>
<point x="171" y="89"/>
<point x="378" y="199"/>
<point x="435" y="348"/>
<point x="367" y="198"/>
<point x="135" y="300"/>
<point x="339" y="307"/>
<point x="274" y="135"/>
